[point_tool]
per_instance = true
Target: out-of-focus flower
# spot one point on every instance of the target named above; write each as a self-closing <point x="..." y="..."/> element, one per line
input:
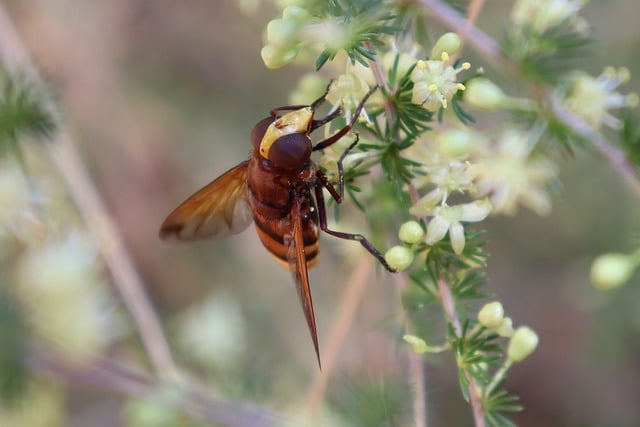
<point x="457" y="143"/>
<point x="612" y="270"/>
<point x="509" y="175"/>
<point x="347" y="92"/>
<point x="450" y="218"/>
<point x="213" y="332"/>
<point x="59" y="283"/>
<point x="309" y="88"/>
<point x="522" y="343"/>
<point x="592" y="97"/>
<point x="435" y="82"/>
<point x="542" y="15"/>
<point x="450" y="178"/>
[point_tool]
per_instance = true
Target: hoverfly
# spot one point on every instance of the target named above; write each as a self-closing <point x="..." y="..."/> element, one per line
<point x="280" y="189"/>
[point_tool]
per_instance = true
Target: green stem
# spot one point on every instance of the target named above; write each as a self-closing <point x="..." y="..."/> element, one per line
<point x="499" y="375"/>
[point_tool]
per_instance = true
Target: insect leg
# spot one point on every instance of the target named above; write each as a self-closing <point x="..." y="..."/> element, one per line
<point x="274" y="112"/>
<point x="319" y="123"/>
<point x="342" y="132"/>
<point x="322" y="219"/>
<point x="338" y="195"/>
<point x="313" y="106"/>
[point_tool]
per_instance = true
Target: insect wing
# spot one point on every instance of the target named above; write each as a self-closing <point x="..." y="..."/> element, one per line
<point x="298" y="267"/>
<point x="214" y="212"/>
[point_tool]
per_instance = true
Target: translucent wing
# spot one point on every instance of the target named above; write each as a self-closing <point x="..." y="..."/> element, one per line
<point x="298" y="267"/>
<point x="216" y="211"/>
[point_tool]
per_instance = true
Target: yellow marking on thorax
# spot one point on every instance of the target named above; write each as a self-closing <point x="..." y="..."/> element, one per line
<point x="294" y="122"/>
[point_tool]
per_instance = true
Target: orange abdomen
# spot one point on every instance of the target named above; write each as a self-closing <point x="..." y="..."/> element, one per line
<point x="271" y="191"/>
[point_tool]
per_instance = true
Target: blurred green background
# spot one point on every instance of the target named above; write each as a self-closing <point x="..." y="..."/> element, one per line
<point x="162" y="95"/>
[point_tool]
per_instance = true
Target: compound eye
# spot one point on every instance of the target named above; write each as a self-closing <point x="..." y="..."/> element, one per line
<point x="259" y="130"/>
<point x="290" y="151"/>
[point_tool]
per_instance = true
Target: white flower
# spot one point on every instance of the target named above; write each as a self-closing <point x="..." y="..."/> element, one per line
<point x="449" y="219"/>
<point x="544" y="14"/>
<point x="591" y="97"/>
<point x="508" y="175"/>
<point x="68" y="305"/>
<point x="347" y="92"/>
<point x="448" y="178"/>
<point x="434" y="82"/>
<point x="214" y="331"/>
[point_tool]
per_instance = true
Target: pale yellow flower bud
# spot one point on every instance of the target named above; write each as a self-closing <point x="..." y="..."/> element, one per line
<point x="482" y="93"/>
<point x="523" y="342"/>
<point x="411" y="232"/>
<point x="418" y="345"/>
<point x="491" y="315"/>
<point x="612" y="270"/>
<point x="448" y="43"/>
<point x="399" y="257"/>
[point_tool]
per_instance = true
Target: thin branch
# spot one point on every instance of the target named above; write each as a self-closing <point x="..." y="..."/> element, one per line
<point x="449" y="307"/>
<point x="489" y="49"/>
<point x="416" y="365"/>
<point x="108" y="375"/>
<point x="356" y="285"/>
<point x="17" y="60"/>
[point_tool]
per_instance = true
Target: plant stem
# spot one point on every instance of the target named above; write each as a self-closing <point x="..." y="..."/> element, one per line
<point x="448" y="305"/>
<point x="416" y="371"/>
<point x="499" y="375"/>
<point x="108" y="375"/>
<point x="356" y="286"/>
<point x="17" y="60"/>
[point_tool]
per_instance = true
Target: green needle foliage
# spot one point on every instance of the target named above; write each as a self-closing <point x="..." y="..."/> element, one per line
<point x="21" y="112"/>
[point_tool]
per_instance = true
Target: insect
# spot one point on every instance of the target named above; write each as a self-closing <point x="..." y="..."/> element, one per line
<point x="280" y="189"/>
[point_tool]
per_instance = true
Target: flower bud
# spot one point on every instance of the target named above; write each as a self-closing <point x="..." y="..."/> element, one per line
<point x="296" y="13"/>
<point x="449" y="43"/>
<point x="418" y="345"/>
<point x="456" y="143"/>
<point x="411" y="232"/>
<point x="482" y="93"/>
<point x="491" y="315"/>
<point x="399" y="257"/>
<point x="280" y="32"/>
<point x="612" y="270"/>
<point x="523" y="341"/>
<point x="506" y="327"/>
<point x="275" y="57"/>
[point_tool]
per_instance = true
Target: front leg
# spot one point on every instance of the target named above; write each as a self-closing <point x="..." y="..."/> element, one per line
<point x="338" y="195"/>
<point x="322" y="219"/>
